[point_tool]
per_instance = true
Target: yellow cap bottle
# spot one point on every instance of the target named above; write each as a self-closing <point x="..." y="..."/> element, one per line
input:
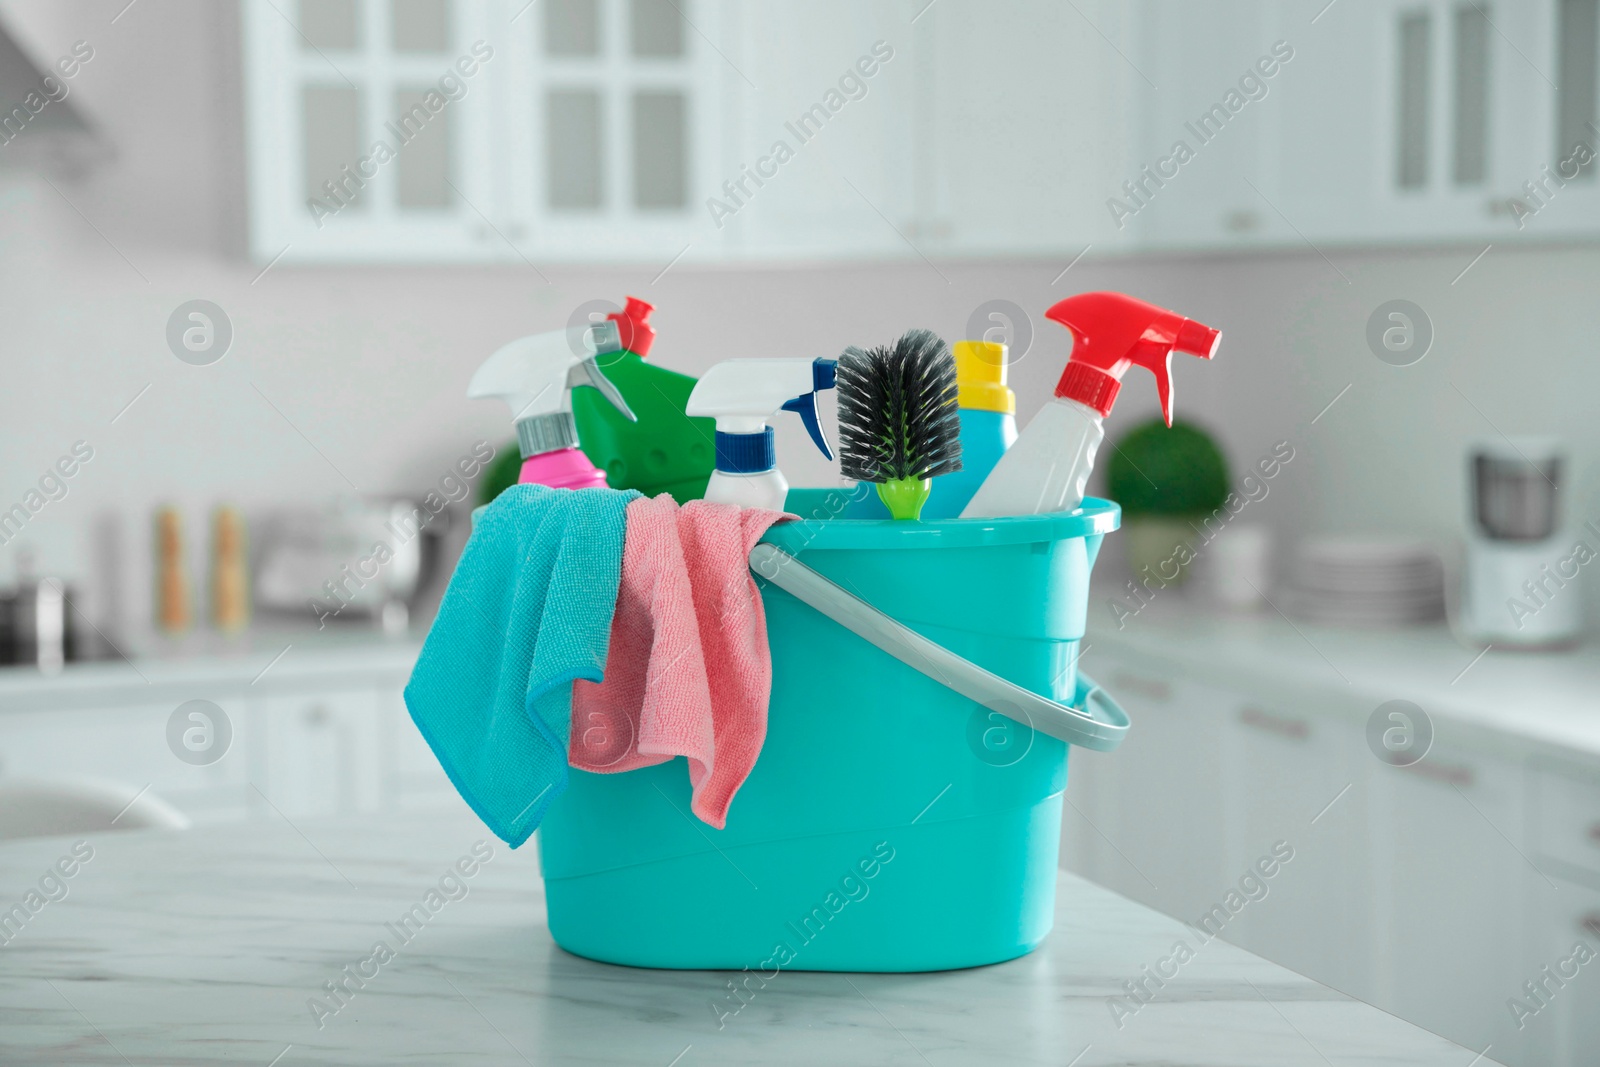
<point x="988" y="425"/>
<point x="981" y="377"/>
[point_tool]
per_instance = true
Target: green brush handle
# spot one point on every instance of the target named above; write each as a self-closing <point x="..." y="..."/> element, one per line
<point x="904" y="497"/>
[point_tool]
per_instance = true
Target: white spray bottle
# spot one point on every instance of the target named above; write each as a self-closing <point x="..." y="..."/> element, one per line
<point x="742" y="395"/>
<point x="1048" y="466"/>
<point x="535" y="376"/>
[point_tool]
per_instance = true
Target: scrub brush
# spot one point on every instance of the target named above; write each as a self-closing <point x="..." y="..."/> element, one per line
<point x="898" y="424"/>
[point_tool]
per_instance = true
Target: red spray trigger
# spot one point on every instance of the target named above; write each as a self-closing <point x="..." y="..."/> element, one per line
<point x="1110" y="333"/>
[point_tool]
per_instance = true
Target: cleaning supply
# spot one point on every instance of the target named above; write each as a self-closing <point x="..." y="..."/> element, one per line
<point x="535" y="376"/>
<point x="664" y="451"/>
<point x="527" y="613"/>
<point x="1048" y="466"/>
<point x="898" y="424"/>
<point x="689" y="672"/>
<point x="741" y="395"/>
<point x="902" y="816"/>
<point x="988" y="425"/>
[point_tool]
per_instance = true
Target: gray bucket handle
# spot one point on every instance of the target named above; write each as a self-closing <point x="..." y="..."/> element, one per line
<point x="1099" y="724"/>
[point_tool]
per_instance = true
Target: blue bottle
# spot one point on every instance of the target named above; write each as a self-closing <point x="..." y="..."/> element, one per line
<point x="988" y="425"/>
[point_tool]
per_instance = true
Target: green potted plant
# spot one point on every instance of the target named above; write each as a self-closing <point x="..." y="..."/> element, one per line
<point x="1168" y="480"/>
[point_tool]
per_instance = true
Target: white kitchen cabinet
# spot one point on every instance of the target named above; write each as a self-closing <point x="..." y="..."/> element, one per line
<point x="1558" y="1015"/>
<point x="1433" y="891"/>
<point x="325" y="85"/>
<point x="128" y="747"/>
<point x="707" y="130"/>
<point x="413" y="779"/>
<point x="1575" y="919"/>
<point x="343" y="165"/>
<point x="1020" y="126"/>
<point x="824" y="123"/>
<point x="649" y="130"/>
<point x="320" y="753"/>
<point x="1565" y="821"/>
<point x="1208" y="781"/>
<point x="588" y="130"/>
<point x="1396" y="121"/>
<point x="1301" y="777"/>
<point x="609" y="122"/>
<point x="1149" y="819"/>
<point x="1450" y="927"/>
<point x="1430" y="136"/>
<point x="314" y="736"/>
<point x="1201" y="194"/>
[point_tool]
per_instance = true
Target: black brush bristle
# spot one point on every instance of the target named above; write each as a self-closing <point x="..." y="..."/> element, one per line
<point x="897" y="410"/>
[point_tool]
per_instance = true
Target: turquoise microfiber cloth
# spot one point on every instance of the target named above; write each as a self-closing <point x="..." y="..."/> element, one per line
<point x="527" y="612"/>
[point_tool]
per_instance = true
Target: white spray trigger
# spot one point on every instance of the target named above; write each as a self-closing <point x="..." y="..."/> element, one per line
<point x="533" y="374"/>
<point x="602" y="338"/>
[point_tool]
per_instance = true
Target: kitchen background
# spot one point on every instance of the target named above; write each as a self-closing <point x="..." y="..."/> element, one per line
<point x="945" y="187"/>
<point x="369" y="363"/>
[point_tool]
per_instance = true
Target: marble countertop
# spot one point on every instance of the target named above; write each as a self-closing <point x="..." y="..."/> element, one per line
<point x="205" y="947"/>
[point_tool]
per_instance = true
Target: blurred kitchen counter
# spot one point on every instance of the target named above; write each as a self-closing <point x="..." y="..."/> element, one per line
<point x="1528" y="701"/>
<point x="262" y="660"/>
<point x="283" y="721"/>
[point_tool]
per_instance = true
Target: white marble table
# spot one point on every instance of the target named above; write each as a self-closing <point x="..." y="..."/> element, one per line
<point x="205" y="947"/>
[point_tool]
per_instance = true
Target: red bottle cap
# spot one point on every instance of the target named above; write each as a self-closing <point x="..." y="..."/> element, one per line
<point x="1110" y="333"/>
<point x="633" y="324"/>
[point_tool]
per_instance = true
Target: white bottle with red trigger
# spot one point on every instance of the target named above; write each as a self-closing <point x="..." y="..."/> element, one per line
<point x="1048" y="467"/>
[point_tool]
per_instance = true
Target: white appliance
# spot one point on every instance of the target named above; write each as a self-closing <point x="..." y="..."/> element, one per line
<point x="1522" y="568"/>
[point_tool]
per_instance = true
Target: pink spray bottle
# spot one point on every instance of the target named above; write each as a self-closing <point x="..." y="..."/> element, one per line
<point x="535" y="377"/>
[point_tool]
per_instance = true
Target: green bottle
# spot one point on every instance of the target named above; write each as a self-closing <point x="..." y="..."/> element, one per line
<point x="665" y="451"/>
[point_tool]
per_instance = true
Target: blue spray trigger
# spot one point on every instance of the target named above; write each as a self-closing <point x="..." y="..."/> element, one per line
<point x="823" y="376"/>
<point x="805" y="406"/>
<point x="824" y="373"/>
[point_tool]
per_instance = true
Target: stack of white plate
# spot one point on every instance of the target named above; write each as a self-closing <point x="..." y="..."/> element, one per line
<point x="1366" y="583"/>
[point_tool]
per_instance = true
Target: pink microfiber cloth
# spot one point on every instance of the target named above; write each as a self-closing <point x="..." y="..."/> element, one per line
<point x="688" y="672"/>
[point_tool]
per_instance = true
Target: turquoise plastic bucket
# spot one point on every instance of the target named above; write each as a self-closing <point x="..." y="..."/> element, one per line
<point x="890" y="824"/>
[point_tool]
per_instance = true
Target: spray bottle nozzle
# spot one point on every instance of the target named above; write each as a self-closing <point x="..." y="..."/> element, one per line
<point x="605" y="338"/>
<point x="534" y="374"/>
<point x="743" y="394"/>
<point x="823" y="375"/>
<point x="1112" y="332"/>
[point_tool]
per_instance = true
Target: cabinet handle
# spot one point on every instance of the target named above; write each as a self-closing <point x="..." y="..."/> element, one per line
<point x="1450" y="774"/>
<point x="1240" y="221"/>
<point x="1154" y="688"/>
<point x="1294" y="729"/>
